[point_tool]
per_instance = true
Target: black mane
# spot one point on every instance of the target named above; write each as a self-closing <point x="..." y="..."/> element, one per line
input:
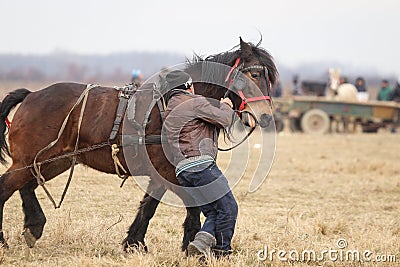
<point x="229" y="58"/>
<point x="211" y="75"/>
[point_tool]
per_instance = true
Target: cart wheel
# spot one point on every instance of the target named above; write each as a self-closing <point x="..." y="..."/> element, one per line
<point x="315" y="121"/>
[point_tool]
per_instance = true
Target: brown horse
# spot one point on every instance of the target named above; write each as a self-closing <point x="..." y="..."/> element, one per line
<point x="38" y="120"/>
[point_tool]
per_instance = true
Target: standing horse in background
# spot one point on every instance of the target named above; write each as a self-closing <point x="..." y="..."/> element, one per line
<point x="340" y="90"/>
<point x="42" y="114"/>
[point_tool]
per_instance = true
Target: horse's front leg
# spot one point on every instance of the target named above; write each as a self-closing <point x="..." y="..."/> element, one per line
<point x="35" y="219"/>
<point x="192" y="222"/>
<point x="191" y="226"/>
<point x="147" y="208"/>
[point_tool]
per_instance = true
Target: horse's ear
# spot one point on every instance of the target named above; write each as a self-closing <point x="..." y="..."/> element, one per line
<point x="245" y="49"/>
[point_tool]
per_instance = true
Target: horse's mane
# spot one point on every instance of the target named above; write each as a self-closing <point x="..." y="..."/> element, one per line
<point x="209" y="72"/>
<point x="229" y="57"/>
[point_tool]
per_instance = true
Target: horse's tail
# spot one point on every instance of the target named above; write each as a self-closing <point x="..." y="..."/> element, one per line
<point x="9" y="102"/>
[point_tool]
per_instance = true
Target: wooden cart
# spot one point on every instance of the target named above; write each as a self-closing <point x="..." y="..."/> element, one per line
<point x="316" y="114"/>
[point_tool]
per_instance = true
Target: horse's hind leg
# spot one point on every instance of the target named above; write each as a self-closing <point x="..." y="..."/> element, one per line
<point x="35" y="219"/>
<point x="9" y="183"/>
<point x="3" y="242"/>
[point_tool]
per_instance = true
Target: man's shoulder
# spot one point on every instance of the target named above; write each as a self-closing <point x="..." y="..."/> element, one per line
<point x="180" y="99"/>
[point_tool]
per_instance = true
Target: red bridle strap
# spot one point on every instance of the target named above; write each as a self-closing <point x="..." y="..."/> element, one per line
<point x="251" y="99"/>
<point x="8" y="122"/>
<point x="232" y="69"/>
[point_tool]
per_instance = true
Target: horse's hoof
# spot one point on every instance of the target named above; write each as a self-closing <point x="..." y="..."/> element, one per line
<point x="4" y="245"/>
<point x="135" y="247"/>
<point x="29" y="238"/>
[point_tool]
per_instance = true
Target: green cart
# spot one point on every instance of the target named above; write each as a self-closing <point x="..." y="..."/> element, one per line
<point x="316" y="114"/>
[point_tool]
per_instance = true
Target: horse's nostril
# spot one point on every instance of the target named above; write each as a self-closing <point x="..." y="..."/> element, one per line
<point x="265" y="120"/>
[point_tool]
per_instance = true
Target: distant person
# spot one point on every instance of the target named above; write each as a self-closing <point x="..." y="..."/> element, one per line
<point x="385" y="91"/>
<point x="395" y="96"/>
<point x="360" y="85"/>
<point x="137" y="77"/>
<point x="296" y="86"/>
<point x="362" y="92"/>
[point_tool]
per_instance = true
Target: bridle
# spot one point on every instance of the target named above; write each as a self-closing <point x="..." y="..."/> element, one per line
<point x="239" y="83"/>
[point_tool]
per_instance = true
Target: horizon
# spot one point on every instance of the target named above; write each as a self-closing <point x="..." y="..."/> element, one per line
<point x="59" y="64"/>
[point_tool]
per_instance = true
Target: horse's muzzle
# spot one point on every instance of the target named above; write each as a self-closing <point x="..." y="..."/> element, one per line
<point x="265" y="120"/>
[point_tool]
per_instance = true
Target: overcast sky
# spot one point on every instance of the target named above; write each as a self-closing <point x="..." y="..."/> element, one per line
<point x="360" y="33"/>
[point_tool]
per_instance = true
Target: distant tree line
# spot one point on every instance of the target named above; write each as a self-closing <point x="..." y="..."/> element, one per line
<point x="83" y="68"/>
<point x="117" y="67"/>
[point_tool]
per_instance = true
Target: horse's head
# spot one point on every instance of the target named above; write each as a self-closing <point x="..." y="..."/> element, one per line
<point x="334" y="79"/>
<point x="248" y="72"/>
<point x="250" y="82"/>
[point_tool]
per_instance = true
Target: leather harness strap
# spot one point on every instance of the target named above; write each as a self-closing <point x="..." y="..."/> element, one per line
<point x="124" y="95"/>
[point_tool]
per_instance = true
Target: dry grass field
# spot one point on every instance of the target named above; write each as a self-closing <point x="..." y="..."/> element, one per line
<point x="320" y="189"/>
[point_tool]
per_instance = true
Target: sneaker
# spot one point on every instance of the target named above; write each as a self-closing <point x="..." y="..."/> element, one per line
<point x="201" y="245"/>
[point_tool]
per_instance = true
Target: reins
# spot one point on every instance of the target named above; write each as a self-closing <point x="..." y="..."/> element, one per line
<point x="37" y="165"/>
<point x="244" y="139"/>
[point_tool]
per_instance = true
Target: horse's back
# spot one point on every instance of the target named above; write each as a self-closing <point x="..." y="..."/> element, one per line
<point x="59" y="96"/>
<point x="43" y="112"/>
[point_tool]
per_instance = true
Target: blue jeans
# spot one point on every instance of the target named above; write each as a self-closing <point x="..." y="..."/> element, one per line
<point x="220" y="214"/>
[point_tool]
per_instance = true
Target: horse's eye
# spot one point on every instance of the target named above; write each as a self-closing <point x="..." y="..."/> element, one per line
<point x="255" y="75"/>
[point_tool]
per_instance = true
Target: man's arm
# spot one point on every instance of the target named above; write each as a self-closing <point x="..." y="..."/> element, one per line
<point x="216" y="112"/>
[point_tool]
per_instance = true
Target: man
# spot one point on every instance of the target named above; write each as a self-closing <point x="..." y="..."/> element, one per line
<point x="385" y="91"/>
<point x="360" y="85"/>
<point x="296" y="87"/>
<point x="395" y="95"/>
<point x="192" y="125"/>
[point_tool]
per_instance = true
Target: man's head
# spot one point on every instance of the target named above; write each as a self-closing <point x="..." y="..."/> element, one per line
<point x="178" y="79"/>
<point x="360" y="81"/>
<point x="385" y="83"/>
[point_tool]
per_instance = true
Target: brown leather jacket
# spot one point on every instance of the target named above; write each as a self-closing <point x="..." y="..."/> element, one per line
<point x="192" y="124"/>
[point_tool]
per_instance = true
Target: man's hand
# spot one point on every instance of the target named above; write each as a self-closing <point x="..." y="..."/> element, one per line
<point x="226" y="101"/>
